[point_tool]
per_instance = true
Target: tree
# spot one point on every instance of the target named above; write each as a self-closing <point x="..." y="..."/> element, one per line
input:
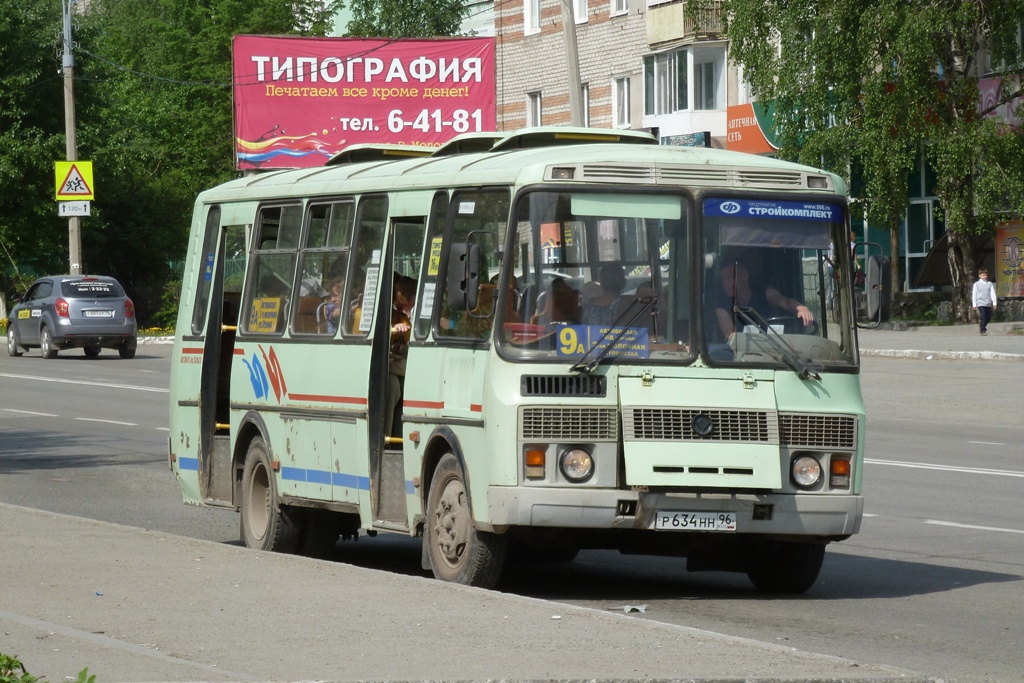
<point x="153" y="108"/>
<point x="870" y="84"/>
<point x="405" y="18"/>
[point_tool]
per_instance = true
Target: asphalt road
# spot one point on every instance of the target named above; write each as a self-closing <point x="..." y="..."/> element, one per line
<point x="932" y="583"/>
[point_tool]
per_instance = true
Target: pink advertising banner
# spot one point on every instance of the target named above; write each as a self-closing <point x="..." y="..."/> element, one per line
<point x="299" y="101"/>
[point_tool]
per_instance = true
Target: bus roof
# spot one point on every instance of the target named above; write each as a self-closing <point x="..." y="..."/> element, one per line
<point x="528" y="156"/>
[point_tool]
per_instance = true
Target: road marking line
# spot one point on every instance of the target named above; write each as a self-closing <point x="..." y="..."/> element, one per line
<point x="163" y="429"/>
<point x="29" y="412"/>
<point x="972" y="526"/>
<point x="109" y="422"/>
<point x="945" y="468"/>
<point x="91" y="384"/>
<point x="987" y="443"/>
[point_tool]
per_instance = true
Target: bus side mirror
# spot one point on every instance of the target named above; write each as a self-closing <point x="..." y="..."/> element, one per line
<point x="463" y="279"/>
<point x="878" y="288"/>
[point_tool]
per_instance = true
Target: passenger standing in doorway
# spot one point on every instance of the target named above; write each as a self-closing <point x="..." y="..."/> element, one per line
<point x="401" y="325"/>
<point x="983" y="299"/>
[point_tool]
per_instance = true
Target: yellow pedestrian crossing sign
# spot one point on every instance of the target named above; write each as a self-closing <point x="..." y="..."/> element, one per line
<point x="74" y="180"/>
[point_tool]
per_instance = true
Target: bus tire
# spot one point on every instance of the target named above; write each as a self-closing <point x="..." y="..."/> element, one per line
<point x="265" y="523"/>
<point x="458" y="552"/>
<point x="783" y="566"/>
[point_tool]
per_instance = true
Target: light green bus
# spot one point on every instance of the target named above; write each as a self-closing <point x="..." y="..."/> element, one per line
<point x="613" y="344"/>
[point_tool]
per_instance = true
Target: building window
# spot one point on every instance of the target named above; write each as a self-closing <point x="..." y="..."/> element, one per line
<point x="620" y="7"/>
<point x="531" y="16"/>
<point x="579" y="10"/>
<point x="620" y="93"/>
<point x="665" y="86"/>
<point x="705" y="86"/>
<point x="533" y="110"/>
<point x="585" y="103"/>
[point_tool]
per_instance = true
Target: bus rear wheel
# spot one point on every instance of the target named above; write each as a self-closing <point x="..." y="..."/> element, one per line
<point x="265" y="524"/>
<point x="457" y="551"/>
<point x="783" y="566"/>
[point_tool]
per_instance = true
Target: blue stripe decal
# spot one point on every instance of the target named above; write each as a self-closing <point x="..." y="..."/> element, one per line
<point x="348" y="481"/>
<point x="191" y="464"/>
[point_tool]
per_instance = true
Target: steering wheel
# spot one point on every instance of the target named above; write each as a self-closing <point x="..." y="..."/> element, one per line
<point x="793" y="322"/>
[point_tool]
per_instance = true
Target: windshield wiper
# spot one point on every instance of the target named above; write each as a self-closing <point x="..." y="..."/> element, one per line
<point x="646" y="301"/>
<point x="752" y="317"/>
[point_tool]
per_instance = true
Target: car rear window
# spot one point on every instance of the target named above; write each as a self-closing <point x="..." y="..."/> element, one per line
<point x="100" y="289"/>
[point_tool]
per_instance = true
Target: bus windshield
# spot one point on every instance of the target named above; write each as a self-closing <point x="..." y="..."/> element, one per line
<point x="770" y="289"/>
<point x="598" y="275"/>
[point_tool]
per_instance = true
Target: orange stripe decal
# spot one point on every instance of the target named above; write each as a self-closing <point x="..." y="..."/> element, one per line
<point x="429" y="405"/>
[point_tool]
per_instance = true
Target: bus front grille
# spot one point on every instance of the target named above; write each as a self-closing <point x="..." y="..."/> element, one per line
<point x="677" y="424"/>
<point x="818" y="431"/>
<point x="568" y="424"/>
<point x="561" y="385"/>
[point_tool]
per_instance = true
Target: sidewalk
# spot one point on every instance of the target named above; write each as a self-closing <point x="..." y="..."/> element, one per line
<point x="135" y="605"/>
<point x="1005" y="341"/>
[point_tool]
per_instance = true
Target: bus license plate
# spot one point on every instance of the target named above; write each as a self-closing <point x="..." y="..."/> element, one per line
<point x="695" y="521"/>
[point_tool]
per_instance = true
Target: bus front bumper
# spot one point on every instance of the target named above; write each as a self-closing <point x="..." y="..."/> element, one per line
<point x="809" y="515"/>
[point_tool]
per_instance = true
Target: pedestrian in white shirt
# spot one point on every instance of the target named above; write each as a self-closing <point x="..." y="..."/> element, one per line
<point x="983" y="299"/>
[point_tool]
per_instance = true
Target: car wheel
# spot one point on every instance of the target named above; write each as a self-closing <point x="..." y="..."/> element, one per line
<point x="46" y="343"/>
<point x="12" y="342"/>
<point x="456" y="550"/>
<point x="91" y="351"/>
<point x="128" y="350"/>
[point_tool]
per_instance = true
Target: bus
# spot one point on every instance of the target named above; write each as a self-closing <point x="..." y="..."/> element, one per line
<point x="610" y="344"/>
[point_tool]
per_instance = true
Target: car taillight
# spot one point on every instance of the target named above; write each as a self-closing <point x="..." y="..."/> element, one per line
<point x="62" y="307"/>
<point x="129" y="308"/>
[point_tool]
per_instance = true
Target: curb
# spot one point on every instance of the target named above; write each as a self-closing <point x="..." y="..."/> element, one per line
<point x="941" y="355"/>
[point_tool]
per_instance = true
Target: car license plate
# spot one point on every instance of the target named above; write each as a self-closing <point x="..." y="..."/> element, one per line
<point x="695" y="521"/>
<point x="98" y="314"/>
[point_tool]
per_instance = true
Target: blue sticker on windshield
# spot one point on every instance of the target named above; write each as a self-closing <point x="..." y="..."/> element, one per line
<point x="759" y="208"/>
<point x="575" y="341"/>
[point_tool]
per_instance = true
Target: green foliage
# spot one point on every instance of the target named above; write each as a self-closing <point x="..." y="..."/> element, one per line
<point x="13" y="671"/>
<point x="84" y="677"/>
<point x="153" y="110"/>
<point x="405" y="18"/>
<point x="870" y="84"/>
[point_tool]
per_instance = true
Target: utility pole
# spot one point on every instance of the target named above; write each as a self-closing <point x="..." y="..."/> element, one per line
<point x="573" y="60"/>
<point x="74" y="222"/>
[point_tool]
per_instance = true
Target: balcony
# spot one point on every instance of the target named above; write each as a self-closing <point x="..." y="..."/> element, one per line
<point x="668" y="22"/>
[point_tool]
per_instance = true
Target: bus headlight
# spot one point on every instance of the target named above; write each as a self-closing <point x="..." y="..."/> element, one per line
<point x="806" y="471"/>
<point x="576" y="464"/>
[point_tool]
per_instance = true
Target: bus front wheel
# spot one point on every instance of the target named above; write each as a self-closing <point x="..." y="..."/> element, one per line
<point x="457" y="551"/>
<point x="265" y="524"/>
<point x="783" y="566"/>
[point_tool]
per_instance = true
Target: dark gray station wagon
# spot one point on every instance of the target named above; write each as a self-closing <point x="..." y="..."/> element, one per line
<point x="90" y="312"/>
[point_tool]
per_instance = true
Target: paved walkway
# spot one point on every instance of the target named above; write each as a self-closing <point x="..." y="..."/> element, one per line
<point x="1005" y="341"/>
<point x="136" y="605"/>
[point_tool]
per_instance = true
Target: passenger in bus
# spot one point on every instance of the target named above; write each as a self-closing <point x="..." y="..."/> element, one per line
<point x="740" y="289"/>
<point x="332" y="310"/>
<point x="603" y="308"/>
<point x="401" y="308"/>
<point x="559" y="304"/>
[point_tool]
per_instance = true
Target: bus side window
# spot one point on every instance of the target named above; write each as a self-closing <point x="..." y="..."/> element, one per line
<point x="272" y="269"/>
<point x="323" y="267"/>
<point x="362" y="285"/>
<point x="479" y="218"/>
